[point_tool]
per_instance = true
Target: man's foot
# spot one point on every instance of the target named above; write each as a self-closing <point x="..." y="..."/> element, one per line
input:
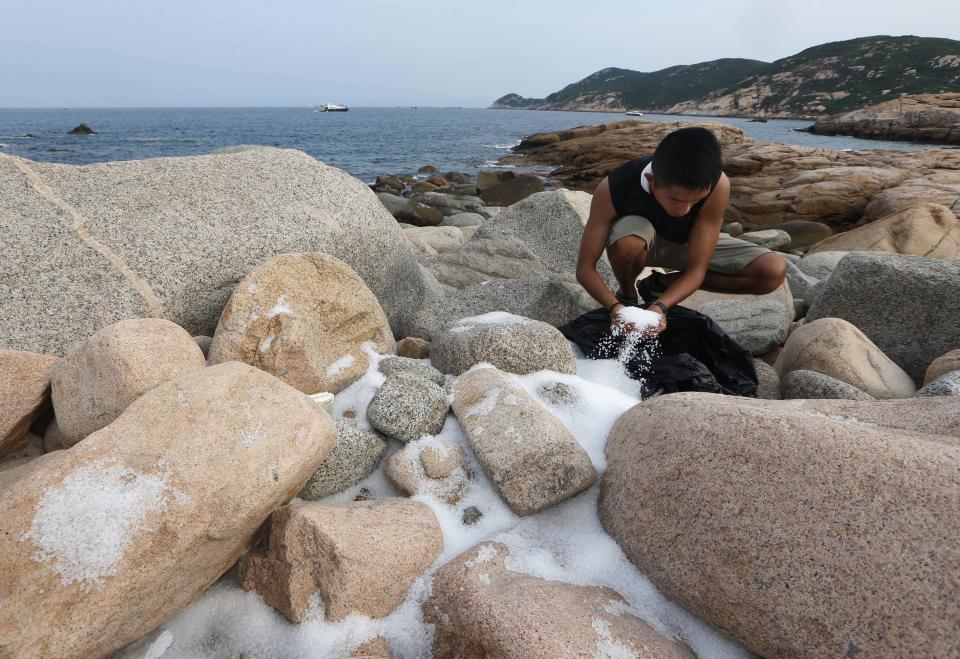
<point x="650" y="288"/>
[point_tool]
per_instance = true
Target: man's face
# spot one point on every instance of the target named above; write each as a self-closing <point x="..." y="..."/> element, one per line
<point x="676" y="200"/>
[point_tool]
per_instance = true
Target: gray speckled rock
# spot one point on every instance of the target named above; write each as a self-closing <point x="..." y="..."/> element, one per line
<point x="774" y="239"/>
<point x="450" y="205"/>
<point x="907" y="305"/>
<point x="392" y="365"/>
<point x="354" y="456"/>
<point x="406" y="407"/>
<point x="171" y="237"/>
<point x="798" y="529"/>
<point x="511" y="343"/>
<point x="945" y="385"/>
<point x="758" y="325"/>
<point x="802" y="285"/>
<point x="555" y="301"/>
<point x="768" y="386"/>
<point x="810" y="384"/>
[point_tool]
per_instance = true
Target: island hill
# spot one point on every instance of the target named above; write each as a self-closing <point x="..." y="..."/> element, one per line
<point x="827" y="79"/>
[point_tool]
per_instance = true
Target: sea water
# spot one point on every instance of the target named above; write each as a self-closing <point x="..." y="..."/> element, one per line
<point x="364" y="142"/>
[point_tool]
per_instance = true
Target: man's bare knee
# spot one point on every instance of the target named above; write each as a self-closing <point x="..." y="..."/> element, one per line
<point x="767" y="273"/>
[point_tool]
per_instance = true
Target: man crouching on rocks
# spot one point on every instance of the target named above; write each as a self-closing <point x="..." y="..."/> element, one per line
<point x="667" y="212"/>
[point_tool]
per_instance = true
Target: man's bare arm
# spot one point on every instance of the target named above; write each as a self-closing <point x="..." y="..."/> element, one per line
<point x="700" y="245"/>
<point x="592" y="244"/>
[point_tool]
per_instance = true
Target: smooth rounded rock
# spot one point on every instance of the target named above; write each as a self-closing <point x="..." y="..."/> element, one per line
<point x="947" y="384"/>
<point x="810" y="384"/>
<point x="354" y="456"/>
<point x="942" y="365"/>
<point x="407" y="406"/>
<point x="758" y="325"/>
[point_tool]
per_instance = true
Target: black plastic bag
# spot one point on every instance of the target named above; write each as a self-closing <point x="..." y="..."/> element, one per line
<point x="694" y="353"/>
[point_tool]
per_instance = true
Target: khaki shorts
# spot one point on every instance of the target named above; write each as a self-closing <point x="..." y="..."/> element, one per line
<point x="729" y="257"/>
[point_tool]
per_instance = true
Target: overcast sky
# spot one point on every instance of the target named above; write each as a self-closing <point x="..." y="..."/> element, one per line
<point x="110" y="53"/>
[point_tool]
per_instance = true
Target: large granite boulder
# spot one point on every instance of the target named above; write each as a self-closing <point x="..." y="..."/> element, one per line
<point x="907" y="305"/>
<point x="836" y="348"/>
<point x="550" y="225"/>
<point x="308" y="319"/>
<point x="528" y="455"/>
<point x="103" y="542"/>
<point x="24" y="393"/>
<point x="511" y="343"/>
<point x="101" y="376"/>
<point x="360" y="556"/>
<point x="798" y="529"/>
<point x="171" y="237"/>
<point x="481" y="608"/>
<point x="554" y="300"/>
<point x="759" y="325"/>
<point x="922" y="230"/>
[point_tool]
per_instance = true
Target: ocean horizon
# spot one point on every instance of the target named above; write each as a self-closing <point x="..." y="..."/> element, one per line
<point x="366" y="141"/>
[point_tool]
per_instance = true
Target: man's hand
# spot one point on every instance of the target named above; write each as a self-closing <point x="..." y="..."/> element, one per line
<point x="620" y="326"/>
<point x="654" y="331"/>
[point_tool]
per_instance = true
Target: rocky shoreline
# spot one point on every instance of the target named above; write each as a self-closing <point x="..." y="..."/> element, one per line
<point x="931" y="118"/>
<point x="477" y="487"/>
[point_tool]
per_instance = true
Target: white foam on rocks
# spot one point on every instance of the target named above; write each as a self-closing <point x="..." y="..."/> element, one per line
<point x="492" y="318"/>
<point x="85" y="526"/>
<point x="340" y="365"/>
<point x="565" y="542"/>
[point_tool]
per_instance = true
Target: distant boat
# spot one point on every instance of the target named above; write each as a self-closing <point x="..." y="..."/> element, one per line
<point x="333" y="107"/>
<point x="635" y="113"/>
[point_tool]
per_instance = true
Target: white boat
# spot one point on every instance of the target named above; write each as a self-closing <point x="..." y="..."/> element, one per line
<point x="635" y="113"/>
<point x="333" y="107"/>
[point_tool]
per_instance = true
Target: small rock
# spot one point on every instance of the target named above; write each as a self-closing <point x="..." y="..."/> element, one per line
<point x="438" y="181"/>
<point x="406" y="470"/>
<point x="810" y="384"/>
<point x="410" y="211"/>
<point x="773" y="239"/>
<point x="393" y="365"/>
<point x="947" y="384"/>
<point x="363" y="495"/>
<point x="413" y="347"/>
<point x="511" y="343"/>
<point x="558" y="393"/>
<point x="406" y="407"/>
<point x="733" y="229"/>
<point x="942" y="365"/>
<point x="769" y="382"/>
<point x="82" y="129"/>
<point x="391" y="182"/>
<point x="834" y="347"/>
<point x="359" y="556"/>
<point x="510" y="192"/>
<point x="527" y="454"/>
<point x="480" y="608"/>
<point x="440" y="460"/>
<point x="471" y="515"/>
<point x="457" y="177"/>
<point x="462" y="220"/>
<point x="354" y="456"/>
<point x="101" y="376"/>
<point x="427" y="169"/>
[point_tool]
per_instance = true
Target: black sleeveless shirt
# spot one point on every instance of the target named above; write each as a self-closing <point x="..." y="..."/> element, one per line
<point x="629" y="198"/>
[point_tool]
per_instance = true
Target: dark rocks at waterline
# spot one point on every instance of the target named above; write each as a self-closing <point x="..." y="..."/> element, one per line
<point x="510" y="192"/>
<point x="82" y="129"/>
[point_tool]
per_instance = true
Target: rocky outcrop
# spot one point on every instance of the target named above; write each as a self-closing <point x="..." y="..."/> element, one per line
<point x="171" y="237"/>
<point x="835" y="348"/>
<point x="740" y="510"/>
<point x="922" y="230"/>
<point x="511" y="343"/>
<point x="24" y="393"/>
<point x="481" y="608"/>
<point x="105" y="541"/>
<point x="527" y="454"/>
<point x="99" y="378"/>
<point x="307" y="318"/>
<point x="906" y="305"/>
<point x="359" y="557"/>
<point x="913" y="118"/>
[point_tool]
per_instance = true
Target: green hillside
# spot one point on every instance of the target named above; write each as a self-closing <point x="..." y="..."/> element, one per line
<point x="833" y="77"/>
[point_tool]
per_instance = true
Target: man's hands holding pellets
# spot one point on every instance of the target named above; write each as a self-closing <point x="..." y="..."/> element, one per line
<point x="628" y="320"/>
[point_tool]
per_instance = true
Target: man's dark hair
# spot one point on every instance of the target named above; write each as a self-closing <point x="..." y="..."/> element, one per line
<point x="688" y="157"/>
